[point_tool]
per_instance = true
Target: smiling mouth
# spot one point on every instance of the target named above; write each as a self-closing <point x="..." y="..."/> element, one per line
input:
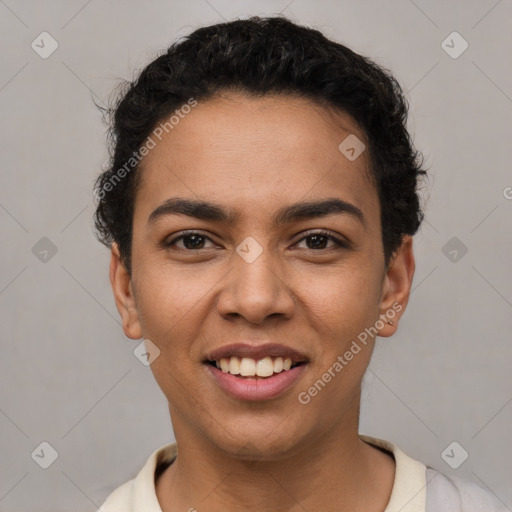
<point x="247" y="367"/>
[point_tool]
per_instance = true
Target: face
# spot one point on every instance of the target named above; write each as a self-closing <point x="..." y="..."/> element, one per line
<point x="260" y="272"/>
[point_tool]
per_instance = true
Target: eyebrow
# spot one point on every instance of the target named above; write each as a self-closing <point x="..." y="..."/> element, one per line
<point x="298" y="211"/>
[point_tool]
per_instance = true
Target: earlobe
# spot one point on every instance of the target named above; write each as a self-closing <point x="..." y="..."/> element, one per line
<point x="121" y="283"/>
<point x="397" y="286"/>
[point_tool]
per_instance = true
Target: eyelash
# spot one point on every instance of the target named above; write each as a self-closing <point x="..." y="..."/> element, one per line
<point x="341" y="244"/>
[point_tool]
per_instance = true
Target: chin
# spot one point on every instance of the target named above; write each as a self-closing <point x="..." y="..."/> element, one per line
<point x="259" y="444"/>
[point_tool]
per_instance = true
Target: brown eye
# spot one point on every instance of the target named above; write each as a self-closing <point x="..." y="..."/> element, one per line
<point x="191" y="241"/>
<point x="318" y="241"/>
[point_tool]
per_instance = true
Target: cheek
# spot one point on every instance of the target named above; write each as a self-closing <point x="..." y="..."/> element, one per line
<point x="169" y="306"/>
<point x="344" y="298"/>
<point x="166" y="296"/>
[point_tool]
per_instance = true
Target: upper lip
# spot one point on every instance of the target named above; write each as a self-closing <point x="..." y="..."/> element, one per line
<point x="257" y="352"/>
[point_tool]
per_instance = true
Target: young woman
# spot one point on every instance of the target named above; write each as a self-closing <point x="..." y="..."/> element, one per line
<point x="260" y="206"/>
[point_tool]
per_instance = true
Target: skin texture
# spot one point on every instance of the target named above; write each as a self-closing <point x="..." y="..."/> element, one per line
<point x="254" y="156"/>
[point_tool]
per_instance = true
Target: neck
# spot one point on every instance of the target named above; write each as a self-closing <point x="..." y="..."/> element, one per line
<point x="336" y="472"/>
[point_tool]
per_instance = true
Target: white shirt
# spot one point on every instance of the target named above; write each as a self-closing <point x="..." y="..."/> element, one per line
<point x="416" y="488"/>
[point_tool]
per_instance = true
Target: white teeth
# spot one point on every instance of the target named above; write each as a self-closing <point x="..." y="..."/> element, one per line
<point x="248" y="367"/>
<point x="234" y="366"/>
<point x="264" y="367"/>
<point x="224" y="365"/>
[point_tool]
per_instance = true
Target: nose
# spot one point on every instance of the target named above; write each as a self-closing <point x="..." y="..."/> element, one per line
<point x="256" y="289"/>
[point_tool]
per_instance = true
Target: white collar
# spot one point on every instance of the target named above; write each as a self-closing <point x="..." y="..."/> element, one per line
<point x="409" y="493"/>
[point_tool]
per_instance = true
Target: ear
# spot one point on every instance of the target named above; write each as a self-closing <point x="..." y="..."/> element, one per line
<point x="397" y="286"/>
<point x="121" y="283"/>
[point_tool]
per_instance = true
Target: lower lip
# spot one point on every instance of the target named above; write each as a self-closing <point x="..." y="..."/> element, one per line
<point x="252" y="388"/>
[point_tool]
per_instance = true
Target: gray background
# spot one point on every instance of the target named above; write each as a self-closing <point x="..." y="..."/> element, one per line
<point x="68" y="374"/>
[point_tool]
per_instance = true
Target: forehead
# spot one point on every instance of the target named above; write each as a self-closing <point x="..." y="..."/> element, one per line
<point x="246" y="152"/>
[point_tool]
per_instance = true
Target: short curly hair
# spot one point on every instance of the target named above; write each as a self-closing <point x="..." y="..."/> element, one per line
<point x="260" y="56"/>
